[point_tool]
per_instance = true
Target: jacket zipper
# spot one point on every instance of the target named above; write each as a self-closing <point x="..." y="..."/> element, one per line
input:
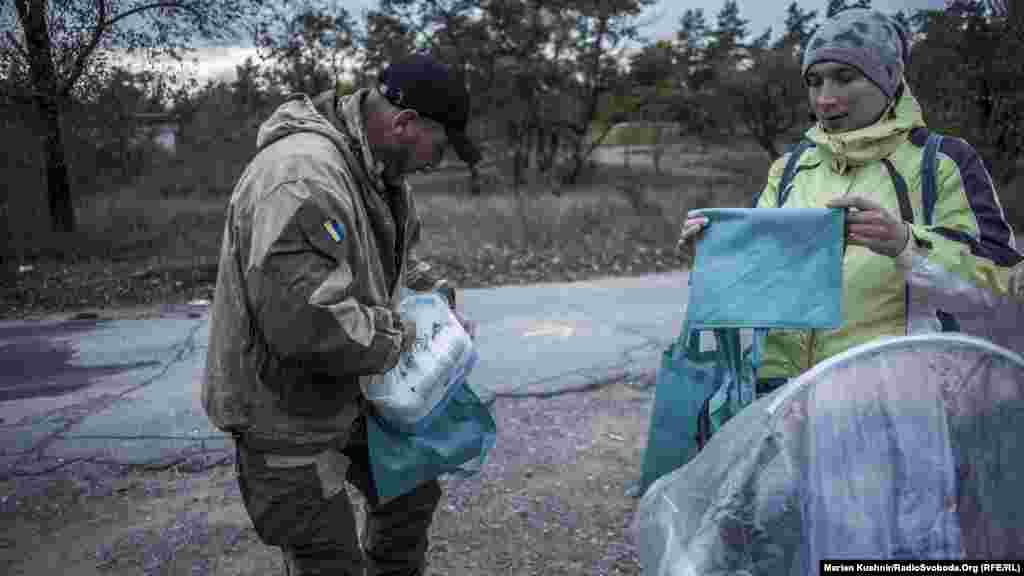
<point x="811" y="345"/>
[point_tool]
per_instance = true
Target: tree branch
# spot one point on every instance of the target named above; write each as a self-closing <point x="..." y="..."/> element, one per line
<point x="188" y="7"/>
<point x="104" y="26"/>
<point x="599" y="140"/>
<point x="17" y="46"/>
<point x="78" y="68"/>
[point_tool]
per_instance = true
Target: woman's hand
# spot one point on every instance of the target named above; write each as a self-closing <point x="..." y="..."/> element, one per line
<point x="691" y="228"/>
<point x="1016" y="285"/>
<point x="872" y="227"/>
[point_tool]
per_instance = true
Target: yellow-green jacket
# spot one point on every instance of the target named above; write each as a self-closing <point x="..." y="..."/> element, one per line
<point x="961" y="264"/>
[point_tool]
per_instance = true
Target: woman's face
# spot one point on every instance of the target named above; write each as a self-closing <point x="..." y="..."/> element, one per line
<point x="843" y="98"/>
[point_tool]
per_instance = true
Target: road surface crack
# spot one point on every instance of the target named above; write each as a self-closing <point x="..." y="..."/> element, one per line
<point x="74" y="415"/>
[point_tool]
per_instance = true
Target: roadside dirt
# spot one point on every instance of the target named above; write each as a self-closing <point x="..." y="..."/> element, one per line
<point x="550" y="501"/>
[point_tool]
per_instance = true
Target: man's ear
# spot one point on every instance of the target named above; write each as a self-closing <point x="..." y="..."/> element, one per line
<point x="401" y="122"/>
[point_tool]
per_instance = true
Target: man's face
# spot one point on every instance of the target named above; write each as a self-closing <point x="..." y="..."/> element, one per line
<point x="431" y="144"/>
<point x="423" y="141"/>
<point x="843" y="98"/>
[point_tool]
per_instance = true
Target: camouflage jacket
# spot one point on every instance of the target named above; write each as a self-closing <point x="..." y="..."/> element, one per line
<point x="314" y="252"/>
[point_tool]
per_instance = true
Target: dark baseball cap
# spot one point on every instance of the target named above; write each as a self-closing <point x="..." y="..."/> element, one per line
<point x="433" y="90"/>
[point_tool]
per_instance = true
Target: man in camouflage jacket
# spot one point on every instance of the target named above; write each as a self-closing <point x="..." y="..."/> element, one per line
<point x="315" y="252"/>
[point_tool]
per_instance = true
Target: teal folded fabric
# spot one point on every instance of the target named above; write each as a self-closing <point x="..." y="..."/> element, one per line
<point x="760" y="269"/>
<point x="768" y="268"/>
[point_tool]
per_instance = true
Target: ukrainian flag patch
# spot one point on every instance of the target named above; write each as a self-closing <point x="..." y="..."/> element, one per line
<point x="334" y="230"/>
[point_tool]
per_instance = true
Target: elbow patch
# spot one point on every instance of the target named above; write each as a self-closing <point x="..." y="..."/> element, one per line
<point x="362" y="323"/>
<point x="334" y="288"/>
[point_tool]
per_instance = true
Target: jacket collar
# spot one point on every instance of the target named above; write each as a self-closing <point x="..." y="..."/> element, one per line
<point x="351" y="114"/>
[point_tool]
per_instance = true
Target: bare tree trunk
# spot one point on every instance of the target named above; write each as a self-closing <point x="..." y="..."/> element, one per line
<point x="543" y="165"/>
<point x="58" y="186"/>
<point x="474" y="180"/>
<point x="579" y="158"/>
<point x="516" y="140"/>
<point x="553" y="150"/>
<point x="46" y="97"/>
<point x="658" y="152"/>
<point x="593" y="96"/>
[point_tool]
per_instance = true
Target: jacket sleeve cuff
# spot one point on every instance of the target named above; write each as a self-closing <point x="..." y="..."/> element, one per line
<point x="388" y="338"/>
<point x="419" y="276"/>
<point x="904" y="260"/>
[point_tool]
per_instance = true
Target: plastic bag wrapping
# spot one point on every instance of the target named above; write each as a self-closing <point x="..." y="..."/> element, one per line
<point x="748" y="261"/>
<point x="457" y="443"/>
<point x="904" y="448"/>
<point x="428" y="420"/>
<point x="1000" y="325"/>
<point x="413" y="392"/>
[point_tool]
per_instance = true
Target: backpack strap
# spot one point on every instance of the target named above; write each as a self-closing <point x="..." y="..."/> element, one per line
<point x="902" y="195"/>
<point x="929" y="196"/>
<point x="929" y="167"/>
<point x="907" y="215"/>
<point x="792" y="164"/>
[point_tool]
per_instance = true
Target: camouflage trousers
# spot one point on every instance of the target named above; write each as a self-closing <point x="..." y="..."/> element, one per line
<point x="298" y="502"/>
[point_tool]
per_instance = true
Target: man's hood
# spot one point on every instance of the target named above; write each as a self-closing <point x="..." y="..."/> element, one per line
<point x="337" y="118"/>
<point x="297" y="114"/>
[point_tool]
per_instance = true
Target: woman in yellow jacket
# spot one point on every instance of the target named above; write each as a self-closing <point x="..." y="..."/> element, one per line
<point x="869" y="125"/>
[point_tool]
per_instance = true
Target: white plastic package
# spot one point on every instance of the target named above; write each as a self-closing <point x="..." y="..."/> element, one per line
<point x="425" y="377"/>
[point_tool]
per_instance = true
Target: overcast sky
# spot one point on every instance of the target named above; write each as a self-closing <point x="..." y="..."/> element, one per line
<point x="664" y="17"/>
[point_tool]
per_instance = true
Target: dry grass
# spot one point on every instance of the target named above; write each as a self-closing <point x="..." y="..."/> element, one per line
<point x="157" y="242"/>
<point x="610" y="214"/>
<point x="624" y="209"/>
<point x="124" y="226"/>
<point x="633" y="201"/>
<point x="609" y="205"/>
<point x="171" y="228"/>
<point x="137" y="249"/>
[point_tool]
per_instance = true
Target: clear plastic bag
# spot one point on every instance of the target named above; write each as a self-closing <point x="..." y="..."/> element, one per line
<point x="904" y="448"/>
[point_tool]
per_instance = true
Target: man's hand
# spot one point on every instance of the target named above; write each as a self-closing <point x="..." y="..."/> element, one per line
<point x="871" y="226"/>
<point x="692" y="226"/>
<point x="408" y="335"/>
<point x="468" y="325"/>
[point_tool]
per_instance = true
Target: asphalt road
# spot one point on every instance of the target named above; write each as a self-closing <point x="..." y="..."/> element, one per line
<point x="128" y="391"/>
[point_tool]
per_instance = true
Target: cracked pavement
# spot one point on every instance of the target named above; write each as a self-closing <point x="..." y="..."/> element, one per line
<point x="127" y="392"/>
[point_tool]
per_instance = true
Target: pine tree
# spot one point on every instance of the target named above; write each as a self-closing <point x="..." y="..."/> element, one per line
<point x="799" y="26"/>
<point x="728" y="35"/>
<point x="691" y="41"/>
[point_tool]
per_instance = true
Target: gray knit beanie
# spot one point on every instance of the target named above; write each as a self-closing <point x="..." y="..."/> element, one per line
<point x="867" y="39"/>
